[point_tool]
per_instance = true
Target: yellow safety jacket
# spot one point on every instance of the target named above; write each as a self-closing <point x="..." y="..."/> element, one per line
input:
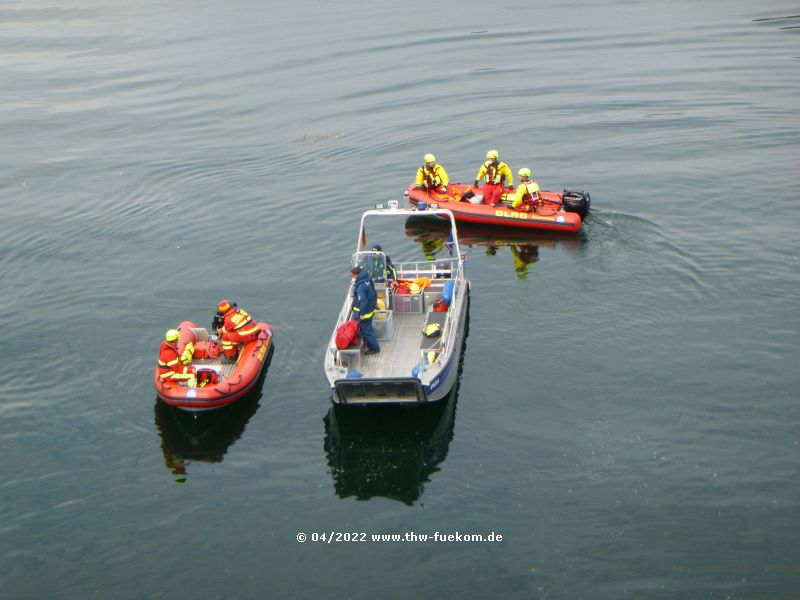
<point x="169" y="366"/>
<point x="497" y="174"/>
<point x="188" y="353"/>
<point x="431" y="178"/>
<point x="526" y="191"/>
<point x="239" y="320"/>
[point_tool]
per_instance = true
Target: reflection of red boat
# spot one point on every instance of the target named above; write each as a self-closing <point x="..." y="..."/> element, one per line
<point x="556" y="212"/>
<point x="234" y="380"/>
<point x="424" y="228"/>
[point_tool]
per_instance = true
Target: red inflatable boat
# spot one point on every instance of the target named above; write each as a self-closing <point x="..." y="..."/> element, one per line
<point x="556" y="212"/>
<point x="233" y="380"/>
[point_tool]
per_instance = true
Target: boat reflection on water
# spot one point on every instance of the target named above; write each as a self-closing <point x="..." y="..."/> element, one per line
<point x="204" y="437"/>
<point x="523" y="245"/>
<point x="389" y="451"/>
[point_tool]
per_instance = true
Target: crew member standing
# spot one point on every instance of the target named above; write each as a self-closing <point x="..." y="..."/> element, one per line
<point x="237" y="328"/>
<point x="364" y="301"/>
<point x="498" y="177"/>
<point x="391" y="271"/>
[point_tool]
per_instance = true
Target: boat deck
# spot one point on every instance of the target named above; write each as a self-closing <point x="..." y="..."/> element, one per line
<point x="398" y="355"/>
<point x="223" y="369"/>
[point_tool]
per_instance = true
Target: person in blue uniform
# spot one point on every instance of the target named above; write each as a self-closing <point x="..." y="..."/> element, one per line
<point x="391" y="272"/>
<point x="364" y="302"/>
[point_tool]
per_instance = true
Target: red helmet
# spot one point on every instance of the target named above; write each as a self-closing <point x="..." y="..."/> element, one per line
<point x="224" y="306"/>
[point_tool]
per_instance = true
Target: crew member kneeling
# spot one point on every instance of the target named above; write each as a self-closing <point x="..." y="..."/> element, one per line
<point x="237" y="328"/>
<point x="527" y="193"/>
<point x="170" y="365"/>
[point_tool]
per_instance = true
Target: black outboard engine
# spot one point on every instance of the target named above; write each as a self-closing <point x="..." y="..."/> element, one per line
<point x="218" y="321"/>
<point x="577" y="202"/>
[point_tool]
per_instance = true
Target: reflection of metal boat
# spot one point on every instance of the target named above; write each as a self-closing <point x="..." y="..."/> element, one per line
<point x="411" y="367"/>
<point x="204" y="437"/>
<point x="388" y="451"/>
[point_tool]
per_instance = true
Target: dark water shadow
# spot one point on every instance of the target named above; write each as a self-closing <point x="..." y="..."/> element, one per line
<point x="390" y="452"/>
<point x="205" y="437"/>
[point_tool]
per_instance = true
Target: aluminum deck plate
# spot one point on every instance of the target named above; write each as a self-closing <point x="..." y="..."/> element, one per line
<point x="399" y="355"/>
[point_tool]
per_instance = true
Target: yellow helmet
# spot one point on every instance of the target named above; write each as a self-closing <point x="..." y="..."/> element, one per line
<point x="524" y="172"/>
<point x="172" y="335"/>
<point x="429" y="158"/>
<point x="492" y="154"/>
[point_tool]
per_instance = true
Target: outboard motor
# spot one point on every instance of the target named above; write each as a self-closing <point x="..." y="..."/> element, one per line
<point x="577" y="202"/>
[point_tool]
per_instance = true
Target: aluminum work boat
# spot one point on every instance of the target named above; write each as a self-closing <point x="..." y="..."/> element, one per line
<point x="420" y="321"/>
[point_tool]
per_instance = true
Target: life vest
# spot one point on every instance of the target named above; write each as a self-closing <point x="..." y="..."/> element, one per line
<point x="206" y="377"/>
<point x="433" y="330"/>
<point x="239" y="320"/>
<point x="530" y="187"/>
<point x="431" y="178"/>
<point x="169" y="362"/>
<point x="422" y="282"/>
<point x="492" y="172"/>
<point x="404" y="286"/>
<point x="188" y="353"/>
<point x="523" y="196"/>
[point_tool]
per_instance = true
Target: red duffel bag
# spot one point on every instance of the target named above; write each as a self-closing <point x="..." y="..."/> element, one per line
<point x="347" y="335"/>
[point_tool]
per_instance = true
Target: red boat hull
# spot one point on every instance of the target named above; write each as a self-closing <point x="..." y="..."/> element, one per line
<point x="246" y="371"/>
<point x="549" y="217"/>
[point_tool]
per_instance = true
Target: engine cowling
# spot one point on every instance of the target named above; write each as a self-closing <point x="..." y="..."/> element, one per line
<point x="577" y="202"/>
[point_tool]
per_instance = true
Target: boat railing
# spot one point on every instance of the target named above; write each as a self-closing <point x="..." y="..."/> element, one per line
<point x="437" y="269"/>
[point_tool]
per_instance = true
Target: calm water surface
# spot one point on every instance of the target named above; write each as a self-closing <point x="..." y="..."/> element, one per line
<point x="627" y="413"/>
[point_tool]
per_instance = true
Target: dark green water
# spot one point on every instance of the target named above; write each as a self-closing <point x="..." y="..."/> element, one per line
<point x="627" y="414"/>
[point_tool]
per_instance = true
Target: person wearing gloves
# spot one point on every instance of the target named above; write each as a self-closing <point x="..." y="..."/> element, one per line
<point x="497" y="175"/>
<point x="431" y="176"/>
